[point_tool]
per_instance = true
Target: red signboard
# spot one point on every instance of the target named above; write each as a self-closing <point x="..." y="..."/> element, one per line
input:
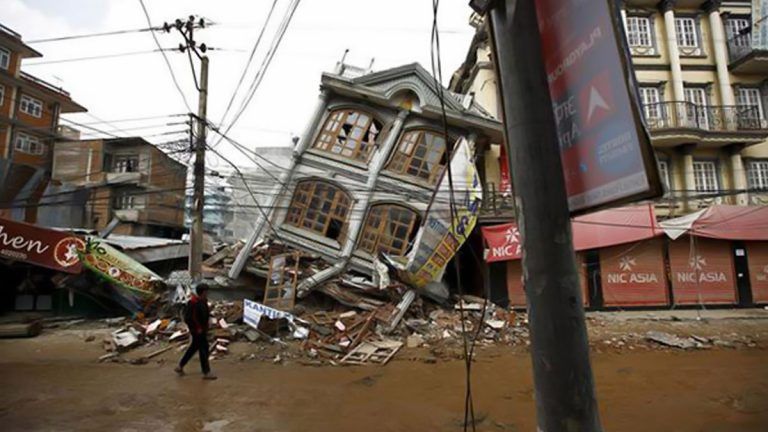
<point x="606" y="153"/>
<point x="502" y="241"/>
<point x="702" y="272"/>
<point x="633" y="274"/>
<point x="40" y="246"/>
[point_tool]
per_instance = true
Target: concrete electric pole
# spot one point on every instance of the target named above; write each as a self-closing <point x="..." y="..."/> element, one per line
<point x="186" y="28"/>
<point x="563" y="381"/>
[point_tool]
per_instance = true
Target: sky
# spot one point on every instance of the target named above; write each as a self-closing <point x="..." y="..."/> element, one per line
<point x="393" y="32"/>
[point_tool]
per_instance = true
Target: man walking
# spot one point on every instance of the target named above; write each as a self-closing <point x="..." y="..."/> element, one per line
<point x="197" y="317"/>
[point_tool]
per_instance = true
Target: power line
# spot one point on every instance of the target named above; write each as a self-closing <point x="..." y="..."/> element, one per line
<point x="165" y="57"/>
<point x="257" y="79"/>
<point x="91" y="35"/>
<point x="248" y="62"/>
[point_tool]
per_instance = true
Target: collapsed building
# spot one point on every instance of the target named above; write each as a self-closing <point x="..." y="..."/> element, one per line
<point x="364" y="172"/>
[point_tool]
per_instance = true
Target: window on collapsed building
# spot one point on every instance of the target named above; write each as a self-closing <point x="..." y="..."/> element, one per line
<point x="28" y="144"/>
<point x="687" y="31"/>
<point x="420" y="153"/>
<point x="737" y="30"/>
<point x="126" y="164"/>
<point x="5" y="58"/>
<point x="349" y="133"/>
<point x="2" y="94"/>
<point x="320" y="207"/>
<point x="389" y="228"/>
<point x="705" y="176"/>
<point x="31" y="106"/>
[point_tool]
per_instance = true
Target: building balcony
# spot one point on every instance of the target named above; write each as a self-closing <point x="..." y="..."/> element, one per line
<point x="125" y="178"/>
<point x="496" y="204"/>
<point x="745" y="54"/>
<point x="675" y="123"/>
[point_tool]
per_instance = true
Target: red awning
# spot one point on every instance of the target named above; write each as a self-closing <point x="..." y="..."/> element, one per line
<point x="601" y="229"/>
<point x="723" y="222"/>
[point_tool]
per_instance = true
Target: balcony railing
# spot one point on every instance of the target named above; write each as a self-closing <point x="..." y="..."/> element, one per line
<point x="686" y="115"/>
<point x="742" y="44"/>
<point x="496" y="201"/>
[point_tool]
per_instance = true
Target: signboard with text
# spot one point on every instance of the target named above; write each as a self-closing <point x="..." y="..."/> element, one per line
<point x="605" y="151"/>
<point x="57" y="250"/>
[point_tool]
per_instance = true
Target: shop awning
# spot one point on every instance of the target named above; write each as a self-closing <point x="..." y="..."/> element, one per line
<point x="601" y="229"/>
<point x="725" y="222"/>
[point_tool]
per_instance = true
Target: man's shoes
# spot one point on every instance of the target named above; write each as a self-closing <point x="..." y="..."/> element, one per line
<point x="209" y="376"/>
<point x="179" y="371"/>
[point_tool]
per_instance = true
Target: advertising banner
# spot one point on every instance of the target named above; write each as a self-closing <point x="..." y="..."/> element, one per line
<point x="119" y="269"/>
<point x="440" y="236"/>
<point x="757" y="256"/>
<point x="634" y="274"/>
<point x="56" y="250"/>
<point x="702" y="272"/>
<point x="605" y="151"/>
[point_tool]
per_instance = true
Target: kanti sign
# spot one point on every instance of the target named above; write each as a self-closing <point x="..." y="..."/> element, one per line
<point x="40" y="246"/>
<point x="606" y="153"/>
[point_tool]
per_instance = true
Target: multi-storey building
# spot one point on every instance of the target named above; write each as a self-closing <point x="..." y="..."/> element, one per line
<point x="702" y="73"/>
<point x="218" y="211"/>
<point x="364" y="171"/>
<point x="126" y="179"/>
<point x="29" y="119"/>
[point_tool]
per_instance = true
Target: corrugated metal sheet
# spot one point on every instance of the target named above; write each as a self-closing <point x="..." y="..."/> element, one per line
<point x="634" y="274"/>
<point x="702" y="272"/>
<point x="515" y="281"/>
<point x="757" y="255"/>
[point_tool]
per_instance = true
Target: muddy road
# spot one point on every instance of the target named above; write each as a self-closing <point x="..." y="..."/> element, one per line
<point x="53" y="383"/>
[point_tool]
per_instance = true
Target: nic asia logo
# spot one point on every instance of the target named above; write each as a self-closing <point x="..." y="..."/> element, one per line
<point x="626" y="275"/>
<point x="699" y="272"/>
<point x="65" y="251"/>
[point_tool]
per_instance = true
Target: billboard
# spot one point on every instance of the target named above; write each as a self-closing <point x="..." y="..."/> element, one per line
<point x="56" y="250"/>
<point x="605" y="151"/>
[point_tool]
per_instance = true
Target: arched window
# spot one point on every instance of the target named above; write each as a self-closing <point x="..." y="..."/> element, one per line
<point x="389" y="229"/>
<point x="420" y="153"/>
<point x="320" y="207"/>
<point x="349" y="133"/>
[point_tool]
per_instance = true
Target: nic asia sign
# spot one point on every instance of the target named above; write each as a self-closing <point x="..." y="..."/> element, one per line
<point x="606" y="154"/>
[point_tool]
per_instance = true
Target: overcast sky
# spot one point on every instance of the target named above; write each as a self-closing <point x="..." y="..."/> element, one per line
<point x="394" y="32"/>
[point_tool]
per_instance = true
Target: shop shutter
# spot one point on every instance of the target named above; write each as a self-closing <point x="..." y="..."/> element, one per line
<point x="757" y="254"/>
<point x="702" y="271"/>
<point x="515" y="282"/>
<point x="633" y="274"/>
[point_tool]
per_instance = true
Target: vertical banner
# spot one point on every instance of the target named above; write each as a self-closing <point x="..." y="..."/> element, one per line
<point x="440" y="236"/>
<point x="605" y="151"/>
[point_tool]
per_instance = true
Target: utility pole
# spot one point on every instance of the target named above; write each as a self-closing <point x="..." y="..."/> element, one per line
<point x="563" y="381"/>
<point x="186" y="28"/>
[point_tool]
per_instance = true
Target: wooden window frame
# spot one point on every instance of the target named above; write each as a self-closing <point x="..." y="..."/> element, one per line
<point x="701" y="170"/>
<point x="31" y="106"/>
<point x="757" y="174"/>
<point x="380" y="229"/>
<point x="636" y="34"/>
<point x="358" y="149"/>
<point x="405" y="154"/>
<point x="2" y="95"/>
<point x="314" y="209"/>
<point x="5" y="53"/>
<point x="29" y="144"/>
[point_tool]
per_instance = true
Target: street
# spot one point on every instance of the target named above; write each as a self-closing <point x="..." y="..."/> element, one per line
<point x="54" y="383"/>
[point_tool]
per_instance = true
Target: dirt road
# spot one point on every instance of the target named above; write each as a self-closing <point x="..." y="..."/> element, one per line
<point x="53" y="383"/>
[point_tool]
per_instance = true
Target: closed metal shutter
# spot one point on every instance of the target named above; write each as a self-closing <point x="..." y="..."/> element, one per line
<point x="515" y="281"/>
<point x="633" y="274"/>
<point x="757" y="256"/>
<point x="702" y="272"/>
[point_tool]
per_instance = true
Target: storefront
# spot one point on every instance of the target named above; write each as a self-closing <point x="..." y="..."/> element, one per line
<point x="633" y="274"/>
<point x="702" y="271"/>
<point x="757" y="257"/>
<point x="515" y="282"/>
